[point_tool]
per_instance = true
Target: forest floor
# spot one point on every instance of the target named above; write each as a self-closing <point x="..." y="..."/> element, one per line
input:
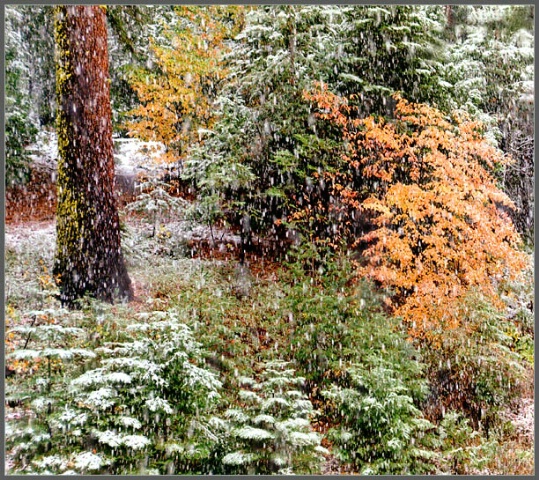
<point x="30" y="223"/>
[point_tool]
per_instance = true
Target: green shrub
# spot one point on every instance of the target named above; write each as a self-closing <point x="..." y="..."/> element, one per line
<point x="270" y="431"/>
<point x="335" y="320"/>
<point x="360" y="368"/>
<point x="519" y="297"/>
<point x="463" y="450"/>
<point x="319" y="314"/>
<point x="475" y="368"/>
<point x="380" y="430"/>
<point x="140" y="408"/>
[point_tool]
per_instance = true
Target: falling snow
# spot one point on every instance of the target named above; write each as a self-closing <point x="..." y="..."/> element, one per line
<point x="298" y="252"/>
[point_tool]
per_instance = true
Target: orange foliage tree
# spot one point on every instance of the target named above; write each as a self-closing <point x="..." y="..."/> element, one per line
<point x="178" y="92"/>
<point x="440" y="221"/>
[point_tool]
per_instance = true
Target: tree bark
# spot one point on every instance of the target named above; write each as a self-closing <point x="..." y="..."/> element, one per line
<point x="88" y="259"/>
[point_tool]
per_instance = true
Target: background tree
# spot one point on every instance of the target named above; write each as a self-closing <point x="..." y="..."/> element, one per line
<point x="257" y="165"/>
<point x="21" y="125"/>
<point x="88" y="255"/>
<point x="488" y="66"/>
<point x="30" y="40"/>
<point x="130" y="29"/>
<point x="30" y="37"/>
<point x="177" y="89"/>
<point x="388" y="48"/>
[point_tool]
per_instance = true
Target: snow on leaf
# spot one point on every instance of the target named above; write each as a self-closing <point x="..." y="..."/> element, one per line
<point x="108" y="437"/>
<point x="156" y="403"/>
<point x="129" y="422"/>
<point x="102" y="398"/>
<point x="238" y="458"/>
<point x="304" y="439"/>
<point x="88" y="461"/>
<point x="136" y="442"/>
<point x="251" y="433"/>
<point x="264" y="419"/>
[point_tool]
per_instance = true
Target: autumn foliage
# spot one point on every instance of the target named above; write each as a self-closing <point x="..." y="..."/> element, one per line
<point x="440" y="222"/>
<point x="177" y="93"/>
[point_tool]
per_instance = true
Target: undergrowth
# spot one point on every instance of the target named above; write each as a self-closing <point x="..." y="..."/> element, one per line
<point x="192" y="378"/>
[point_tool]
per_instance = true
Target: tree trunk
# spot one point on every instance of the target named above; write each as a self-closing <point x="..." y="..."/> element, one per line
<point x="88" y="253"/>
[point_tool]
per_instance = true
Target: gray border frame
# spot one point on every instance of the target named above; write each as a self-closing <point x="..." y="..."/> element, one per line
<point x="205" y="2"/>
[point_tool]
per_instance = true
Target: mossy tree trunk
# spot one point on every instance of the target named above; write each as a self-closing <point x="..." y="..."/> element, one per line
<point x="88" y="253"/>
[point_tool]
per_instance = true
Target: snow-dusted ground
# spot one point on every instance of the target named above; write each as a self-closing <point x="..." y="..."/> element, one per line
<point x="131" y="158"/>
<point x="42" y="235"/>
<point x="523" y="418"/>
<point x="131" y="155"/>
<point x="197" y="232"/>
<point x="31" y="236"/>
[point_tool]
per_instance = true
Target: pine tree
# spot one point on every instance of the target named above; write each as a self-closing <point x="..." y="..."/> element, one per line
<point x="259" y="162"/>
<point x="388" y="48"/>
<point x="144" y="393"/>
<point x="271" y="432"/>
<point x="489" y="71"/>
<point x="88" y="254"/>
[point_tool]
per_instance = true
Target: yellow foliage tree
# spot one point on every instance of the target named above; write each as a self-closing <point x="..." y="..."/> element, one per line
<point x="178" y="92"/>
<point x="441" y="226"/>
